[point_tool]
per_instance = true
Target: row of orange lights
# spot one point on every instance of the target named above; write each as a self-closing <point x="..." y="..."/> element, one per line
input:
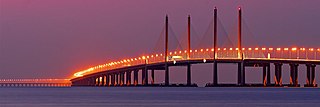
<point x="80" y="73"/>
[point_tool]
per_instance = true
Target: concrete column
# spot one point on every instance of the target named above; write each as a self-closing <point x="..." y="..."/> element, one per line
<point x="308" y="74"/>
<point x="268" y="74"/>
<point x="121" y="78"/>
<point x="264" y="75"/>
<point x="152" y="76"/>
<point x="312" y="75"/>
<point x="166" y="81"/>
<point x="239" y="73"/>
<point x="295" y="82"/>
<point x="188" y="75"/>
<point x="278" y="77"/>
<point x="215" y="73"/>
<point x="135" y="77"/>
<point x="146" y="79"/>
<point x="102" y="80"/>
<point x="113" y="79"/>
<point x="107" y="80"/>
<point x="243" y="73"/>
<point x="116" y="80"/>
<point x="143" y="76"/>
<point x="96" y="81"/>
<point x="128" y="78"/>
<point x="294" y="74"/>
<point x="291" y="74"/>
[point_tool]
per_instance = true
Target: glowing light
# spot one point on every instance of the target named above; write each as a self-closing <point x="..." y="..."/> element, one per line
<point x="128" y="62"/>
<point x="270" y="49"/>
<point x="311" y="49"/>
<point x="243" y="49"/>
<point x="176" y="57"/>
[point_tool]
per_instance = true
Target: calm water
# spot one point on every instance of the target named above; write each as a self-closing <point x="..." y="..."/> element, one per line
<point x="158" y="97"/>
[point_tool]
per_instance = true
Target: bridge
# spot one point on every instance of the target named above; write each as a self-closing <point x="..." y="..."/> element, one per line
<point x="125" y="72"/>
<point x="35" y="83"/>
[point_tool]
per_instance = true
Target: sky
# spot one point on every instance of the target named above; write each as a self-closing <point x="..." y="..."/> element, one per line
<point x="56" y="38"/>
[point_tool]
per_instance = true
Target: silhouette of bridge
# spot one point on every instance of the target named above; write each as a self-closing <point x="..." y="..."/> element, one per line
<point x="120" y="73"/>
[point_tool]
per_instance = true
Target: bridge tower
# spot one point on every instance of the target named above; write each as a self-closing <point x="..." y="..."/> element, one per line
<point x="241" y="66"/>
<point x="188" y="56"/>
<point x="166" y="53"/>
<point x="215" y="34"/>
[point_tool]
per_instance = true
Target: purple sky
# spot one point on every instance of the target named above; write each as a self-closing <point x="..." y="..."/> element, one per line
<point x="55" y="38"/>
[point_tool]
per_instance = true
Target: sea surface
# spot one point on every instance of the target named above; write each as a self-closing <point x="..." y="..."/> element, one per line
<point x="159" y="97"/>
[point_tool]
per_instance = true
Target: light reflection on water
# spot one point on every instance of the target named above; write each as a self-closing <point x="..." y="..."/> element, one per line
<point x="158" y="97"/>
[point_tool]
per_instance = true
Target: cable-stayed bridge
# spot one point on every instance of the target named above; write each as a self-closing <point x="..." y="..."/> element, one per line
<point x="125" y="72"/>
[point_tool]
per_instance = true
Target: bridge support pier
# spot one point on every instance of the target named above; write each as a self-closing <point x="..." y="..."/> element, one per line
<point x="215" y="73"/>
<point x="313" y="73"/>
<point x="128" y="78"/>
<point x="166" y="81"/>
<point x="107" y="80"/>
<point x="311" y="76"/>
<point x="241" y="74"/>
<point x="135" y="77"/>
<point x="145" y="76"/>
<point x="116" y="79"/>
<point x="188" y="75"/>
<point x="102" y="80"/>
<point x="294" y="75"/>
<point x="264" y="77"/>
<point x="96" y="83"/>
<point x="152" y="76"/>
<point x="113" y="79"/>
<point x="268" y="74"/>
<point x="121" y="78"/>
<point x="278" y="77"/>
